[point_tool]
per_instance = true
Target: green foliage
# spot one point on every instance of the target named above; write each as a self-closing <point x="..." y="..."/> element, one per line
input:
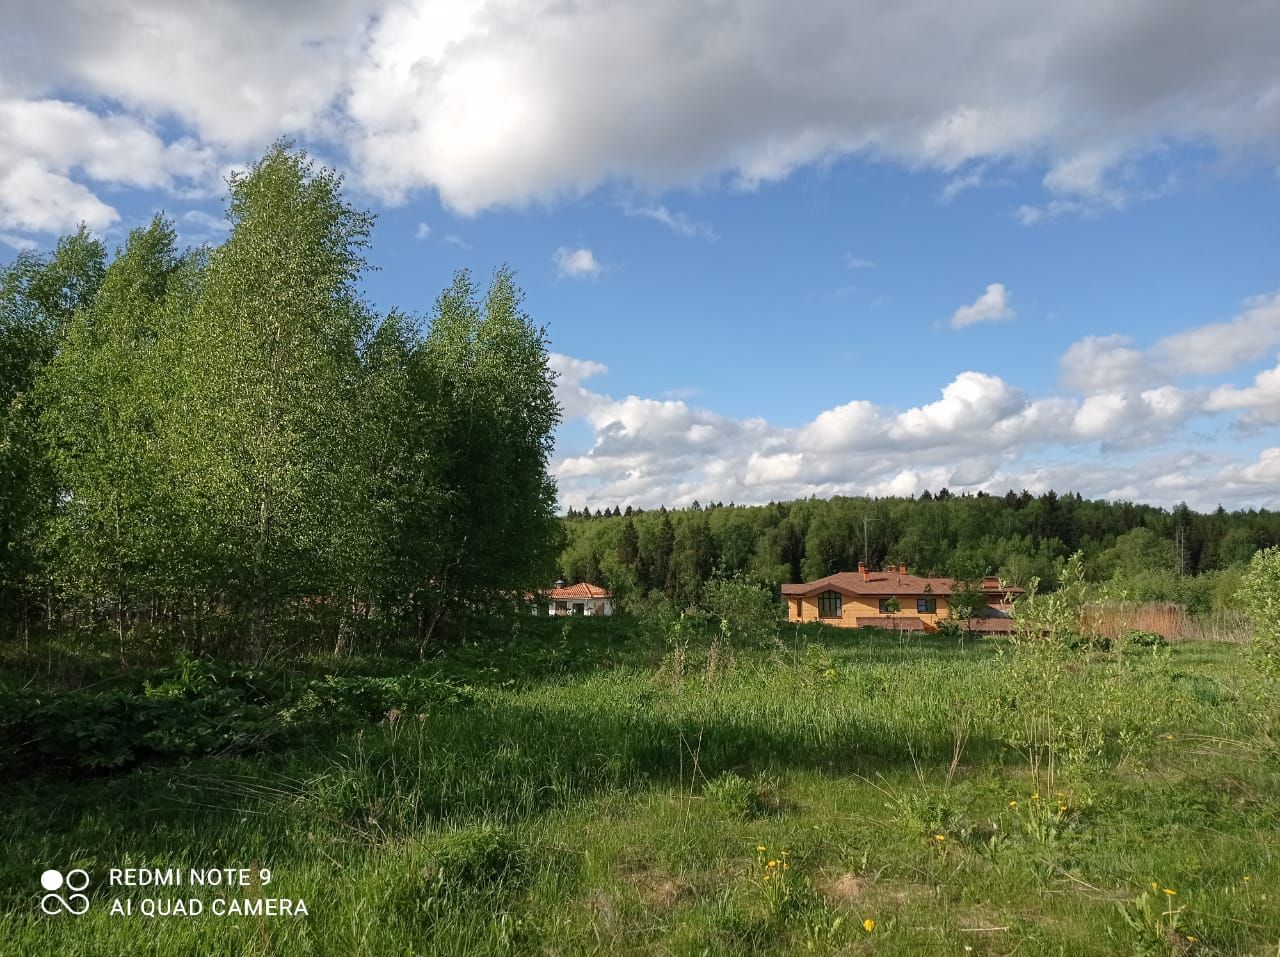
<point x="356" y="700"/>
<point x="198" y="707"/>
<point x="740" y="797"/>
<point x="481" y="856"/>
<point x="747" y="612"/>
<point x="227" y="450"/>
<point x="1260" y="595"/>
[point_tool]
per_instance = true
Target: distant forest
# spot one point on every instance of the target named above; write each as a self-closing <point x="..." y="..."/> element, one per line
<point x="1147" y="553"/>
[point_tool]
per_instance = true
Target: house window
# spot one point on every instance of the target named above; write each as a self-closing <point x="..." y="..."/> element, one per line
<point x="927" y="606"/>
<point x="885" y="607"/>
<point x="562" y="608"/>
<point x="829" y="604"/>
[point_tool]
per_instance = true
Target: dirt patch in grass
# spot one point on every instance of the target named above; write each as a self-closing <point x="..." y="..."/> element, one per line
<point x="848" y="888"/>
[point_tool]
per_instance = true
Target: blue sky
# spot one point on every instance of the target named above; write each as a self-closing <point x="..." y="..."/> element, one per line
<point x="855" y="251"/>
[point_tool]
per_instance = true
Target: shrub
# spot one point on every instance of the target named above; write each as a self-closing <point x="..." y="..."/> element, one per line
<point x="1260" y="595"/>
<point x="742" y="798"/>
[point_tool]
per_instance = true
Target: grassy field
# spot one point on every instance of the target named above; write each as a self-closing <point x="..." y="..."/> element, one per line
<point x="593" y="791"/>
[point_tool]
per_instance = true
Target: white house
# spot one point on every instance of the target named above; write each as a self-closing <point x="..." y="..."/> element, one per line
<point x="580" y="599"/>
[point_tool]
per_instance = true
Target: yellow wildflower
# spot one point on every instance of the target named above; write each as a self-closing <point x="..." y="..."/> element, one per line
<point x="1170" y="891"/>
<point x="786" y="867"/>
<point x="768" y="876"/>
<point x="1035" y="797"/>
<point x="761" y="848"/>
<point x="939" y="837"/>
<point x="868" y="925"/>
<point x="773" y="863"/>
<point x="1155" y="885"/>
<point x="1013" y="804"/>
<point x="1247" y="878"/>
<point x="1191" y="939"/>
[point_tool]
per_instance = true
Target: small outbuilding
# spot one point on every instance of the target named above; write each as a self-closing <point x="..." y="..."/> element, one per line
<point x="582" y="598"/>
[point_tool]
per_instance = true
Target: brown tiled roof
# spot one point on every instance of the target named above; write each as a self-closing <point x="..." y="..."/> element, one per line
<point x="882" y="583"/>
<point x="900" y="623"/>
<point x="578" y="591"/>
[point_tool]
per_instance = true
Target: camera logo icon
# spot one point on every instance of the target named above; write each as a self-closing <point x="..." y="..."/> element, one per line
<point x="74" y="882"/>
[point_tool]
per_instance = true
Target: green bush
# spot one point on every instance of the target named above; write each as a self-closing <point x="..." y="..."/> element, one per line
<point x="195" y="708"/>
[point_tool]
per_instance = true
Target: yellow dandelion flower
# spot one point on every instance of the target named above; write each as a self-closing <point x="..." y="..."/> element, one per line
<point x="761" y="848"/>
<point x="1155" y="885"/>
<point x="1013" y="804"/>
<point x="939" y="837"/>
<point x="773" y="863"/>
<point x="1170" y="891"/>
<point x="786" y="867"/>
<point x="868" y="925"/>
<point x="1035" y="797"/>
<point x="1191" y="938"/>
<point x="1247" y="878"/>
<point x="768" y="876"/>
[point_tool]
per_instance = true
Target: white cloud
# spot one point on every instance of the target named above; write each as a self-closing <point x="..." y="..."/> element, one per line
<point x="578" y="263"/>
<point x="1100" y="363"/>
<point x="421" y="232"/>
<point x="44" y="143"/>
<point x="678" y="223"/>
<point x="575" y="400"/>
<point x="40" y="200"/>
<point x="497" y="102"/>
<point x="1260" y="402"/>
<point x="981" y="432"/>
<point x="991" y="306"/>
<point x="859" y="262"/>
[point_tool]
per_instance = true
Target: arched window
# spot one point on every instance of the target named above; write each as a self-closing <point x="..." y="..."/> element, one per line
<point x="829" y="604"/>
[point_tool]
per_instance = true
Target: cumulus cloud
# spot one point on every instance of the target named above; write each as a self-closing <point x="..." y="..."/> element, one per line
<point x="510" y="101"/>
<point x="991" y="306"/>
<point x="1260" y="402"/>
<point x="578" y="263"/>
<point x="421" y="231"/>
<point x="980" y="432"/>
<point x="47" y="147"/>
<point x="1100" y="363"/>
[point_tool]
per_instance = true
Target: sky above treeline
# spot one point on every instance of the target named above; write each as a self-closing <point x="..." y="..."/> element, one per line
<point x="780" y="251"/>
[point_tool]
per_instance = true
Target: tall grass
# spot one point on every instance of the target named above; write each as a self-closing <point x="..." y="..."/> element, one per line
<point x="591" y="795"/>
<point x="1170" y="620"/>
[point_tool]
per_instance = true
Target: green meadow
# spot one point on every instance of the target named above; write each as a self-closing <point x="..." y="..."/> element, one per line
<point x="587" y="787"/>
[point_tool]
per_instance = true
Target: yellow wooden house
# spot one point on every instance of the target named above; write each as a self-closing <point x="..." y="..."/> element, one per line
<point x="893" y="599"/>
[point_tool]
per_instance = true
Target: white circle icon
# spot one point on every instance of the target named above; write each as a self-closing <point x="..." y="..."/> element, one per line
<point x="75" y="881"/>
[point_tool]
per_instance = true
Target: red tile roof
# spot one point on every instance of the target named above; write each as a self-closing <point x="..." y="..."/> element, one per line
<point x="883" y="583"/>
<point x="578" y="591"/>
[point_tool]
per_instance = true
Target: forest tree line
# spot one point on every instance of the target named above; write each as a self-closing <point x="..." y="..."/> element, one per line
<point x="227" y="444"/>
<point x="1148" y="553"/>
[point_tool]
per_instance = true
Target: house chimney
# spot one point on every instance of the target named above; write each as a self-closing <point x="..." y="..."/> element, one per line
<point x="559" y="582"/>
<point x="862" y="567"/>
